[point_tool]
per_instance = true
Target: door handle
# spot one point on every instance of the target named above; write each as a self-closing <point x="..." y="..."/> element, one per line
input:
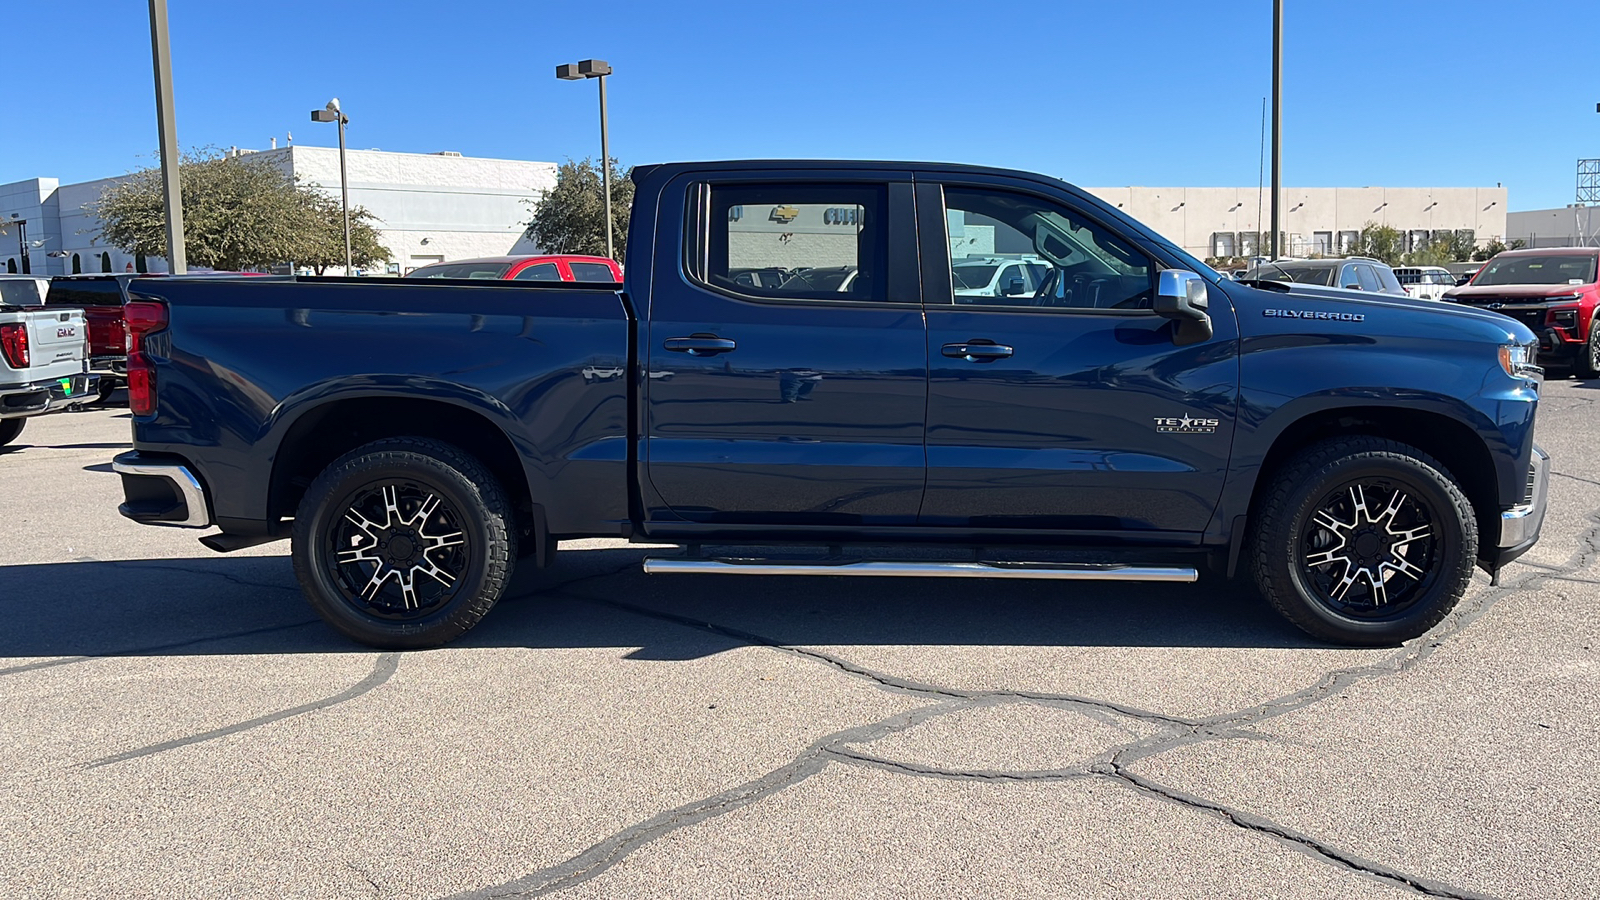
<point x="980" y="350"/>
<point x="700" y="345"/>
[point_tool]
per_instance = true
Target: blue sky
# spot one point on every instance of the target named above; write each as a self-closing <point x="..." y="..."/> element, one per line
<point x="1396" y="93"/>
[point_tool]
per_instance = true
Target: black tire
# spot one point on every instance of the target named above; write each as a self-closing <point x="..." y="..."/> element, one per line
<point x="9" y="429"/>
<point x="420" y="577"/>
<point x="1587" y="365"/>
<point x="1341" y="575"/>
<point x="106" y="388"/>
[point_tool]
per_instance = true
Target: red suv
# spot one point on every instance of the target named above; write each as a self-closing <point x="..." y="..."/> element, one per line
<point x="1553" y="292"/>
<point x="526" y="268"/>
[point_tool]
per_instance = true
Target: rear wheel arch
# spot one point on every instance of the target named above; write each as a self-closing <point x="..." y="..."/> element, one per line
<point x="1448" y="440"/>
<point x="322" y="434"/>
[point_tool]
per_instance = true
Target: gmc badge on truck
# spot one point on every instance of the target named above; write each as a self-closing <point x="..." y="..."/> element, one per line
<point x="1186" y="425"/>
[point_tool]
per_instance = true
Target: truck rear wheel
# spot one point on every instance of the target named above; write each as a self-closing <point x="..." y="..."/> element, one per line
<point x="9" y="429"/>
<point x="1588" y="362"/>
<point x="404" y="543"/>
<point x="1364" y="541"/>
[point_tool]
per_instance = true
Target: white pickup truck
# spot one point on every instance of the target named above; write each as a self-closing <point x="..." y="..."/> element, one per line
<point x="43" y="357"/>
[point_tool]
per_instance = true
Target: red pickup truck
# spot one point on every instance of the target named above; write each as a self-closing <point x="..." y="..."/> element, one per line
<point x="101" y="297"/>
<point x="546" y="267"/>
<point x="1552" y="291"/>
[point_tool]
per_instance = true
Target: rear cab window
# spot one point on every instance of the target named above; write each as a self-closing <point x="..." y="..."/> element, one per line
<point x="588" y="271"/>
<point x="75" y="292"/>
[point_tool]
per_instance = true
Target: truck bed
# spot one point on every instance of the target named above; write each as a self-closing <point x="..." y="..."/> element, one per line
<point x="545" y="364"/>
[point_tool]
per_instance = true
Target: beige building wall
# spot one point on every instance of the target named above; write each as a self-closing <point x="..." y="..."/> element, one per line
<point x="1197" y="219"/>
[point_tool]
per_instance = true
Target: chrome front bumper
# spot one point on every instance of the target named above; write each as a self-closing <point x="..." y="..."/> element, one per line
<point x="1519" y="525"/>
<point x="161" y="492"/>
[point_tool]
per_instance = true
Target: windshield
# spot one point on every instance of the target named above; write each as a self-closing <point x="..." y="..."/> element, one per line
<point x="462" y="270"/>
<point x="1322" y="275"/>
<point x="972" y="277"/>
<point x="1538" y="270"/>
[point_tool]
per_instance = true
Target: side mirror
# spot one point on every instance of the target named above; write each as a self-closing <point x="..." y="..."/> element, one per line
<point x="1014" y="287"/>
<point x="1182" y="297"/>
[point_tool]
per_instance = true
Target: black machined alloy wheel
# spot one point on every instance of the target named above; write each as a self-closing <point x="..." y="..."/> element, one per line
<point x="400" y="550"/>
<point x="1589" y="362"/>
<point x="1363" y="540"/>
<point x="404" y="543"/>
<point x="1368" y="549"/>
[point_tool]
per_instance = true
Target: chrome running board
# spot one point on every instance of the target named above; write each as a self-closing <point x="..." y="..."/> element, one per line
<point x="678" y="565"/>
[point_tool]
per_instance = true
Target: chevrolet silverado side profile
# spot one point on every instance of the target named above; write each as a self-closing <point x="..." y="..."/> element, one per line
<point x="1130" y="416"/>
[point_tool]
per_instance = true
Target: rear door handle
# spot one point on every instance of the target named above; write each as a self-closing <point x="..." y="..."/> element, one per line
<point x="980" y="350"/>
<point x="700" y="345"/>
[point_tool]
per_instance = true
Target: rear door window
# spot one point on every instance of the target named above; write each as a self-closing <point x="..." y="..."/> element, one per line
<point x="795" y="242"/>
<point x="1368" y="279"/>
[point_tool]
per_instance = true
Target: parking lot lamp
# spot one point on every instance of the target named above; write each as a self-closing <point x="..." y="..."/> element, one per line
<point x="332" y="113"/>
<point x="1277" y="124"/>
<point x="596" y="68"/>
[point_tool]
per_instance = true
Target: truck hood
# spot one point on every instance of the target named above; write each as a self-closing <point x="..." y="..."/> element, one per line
<point x="1303" y="301"/>
<point x="1515" y="293"/>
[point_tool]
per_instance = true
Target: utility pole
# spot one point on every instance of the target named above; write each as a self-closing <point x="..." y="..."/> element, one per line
<point x="172" y="189"/>
<point x="1277" y="124"/>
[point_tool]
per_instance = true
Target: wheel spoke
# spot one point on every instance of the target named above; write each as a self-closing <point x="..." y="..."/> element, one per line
<point x="1405" y="567"/>
<point x="420" y="517"/>
<point x="391" y="506"/>
<point x="434" y="571"/>
<point x="1380" y="594"/>
<point x="1386" y="518"/>
<point x="1326" y="520"/>
<point x="358" y="555"/>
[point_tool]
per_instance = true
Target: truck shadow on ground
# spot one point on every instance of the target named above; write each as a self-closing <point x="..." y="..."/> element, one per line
<point x="598" y="598"/>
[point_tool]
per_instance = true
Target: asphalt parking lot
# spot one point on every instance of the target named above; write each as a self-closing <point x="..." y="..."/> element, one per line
<point x="178" y="723"/>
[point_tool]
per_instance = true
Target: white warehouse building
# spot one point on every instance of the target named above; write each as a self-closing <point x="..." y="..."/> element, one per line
<point x="430" y="207"/>
<point x="1228" y="222"/>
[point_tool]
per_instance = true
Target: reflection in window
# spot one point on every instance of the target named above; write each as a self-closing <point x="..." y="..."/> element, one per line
<point x="816" y="242"/>
<point x="1033" y="253"/>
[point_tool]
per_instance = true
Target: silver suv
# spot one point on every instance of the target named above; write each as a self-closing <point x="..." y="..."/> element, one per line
<point x="1358" y="273"/>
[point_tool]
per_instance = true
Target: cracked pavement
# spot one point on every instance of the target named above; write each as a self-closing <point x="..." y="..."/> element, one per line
<point x="179" y="724"/>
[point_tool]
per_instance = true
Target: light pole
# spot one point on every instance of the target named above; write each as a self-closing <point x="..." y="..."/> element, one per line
<point x="596" y="68"/>
<point x="1277" y="122"/>
<point x="332" y="113"/>
<point x="167" y="132"/>
<point x="22" y="242"/>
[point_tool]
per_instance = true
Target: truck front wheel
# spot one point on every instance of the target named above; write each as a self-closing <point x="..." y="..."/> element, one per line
<point x="1364" y="541"/>
<point x="404" y="543"/>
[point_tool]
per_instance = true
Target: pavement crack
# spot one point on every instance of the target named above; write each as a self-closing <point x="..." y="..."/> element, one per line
<point x="382" y="670"/>
<point x="991" y="775"/>
<point x="904" y="685"/>
<point x="1305" y="843"/>
<point x="155" y="648"/>
<point x="614" y="849"/>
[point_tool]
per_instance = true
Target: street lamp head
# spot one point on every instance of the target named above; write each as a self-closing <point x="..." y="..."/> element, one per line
<point x="324" y="115"/>
<point x="589" y="68"/>
<point x="333" y="105"/>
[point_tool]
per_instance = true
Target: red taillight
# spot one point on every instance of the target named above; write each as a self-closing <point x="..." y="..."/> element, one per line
<point x="143" y="319"/>
<point x="14" y="344"/>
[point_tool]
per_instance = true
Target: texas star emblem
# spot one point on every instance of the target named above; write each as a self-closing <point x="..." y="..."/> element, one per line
<point x="1186" y="425"/>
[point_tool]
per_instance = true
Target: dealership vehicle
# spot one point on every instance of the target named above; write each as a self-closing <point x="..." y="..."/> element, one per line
<point x="1553" y="292"/>
<point x="1356" y="273"/>
<point x="1137" y="418"/>
<point x="101" y="298"/>
<point x="23" y="290"/>
<point x="996" y="277"/>
<point x="1425" y="282"/>
<point x="547" y="267"/>
<point x="43" y="362"/>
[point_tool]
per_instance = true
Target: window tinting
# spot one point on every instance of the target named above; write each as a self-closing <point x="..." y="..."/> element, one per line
<point x="84" y="292"/>
<point x="795" y="242"/>
<point x="541" y="272"/>
<point x="582" y="271"/>
<point x="1080" y="265"/>
<point x="462" y="270"/>
<point x="1538" y="270"/>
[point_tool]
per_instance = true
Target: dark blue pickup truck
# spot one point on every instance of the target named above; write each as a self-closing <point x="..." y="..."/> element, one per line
<point x="844" y="369"/>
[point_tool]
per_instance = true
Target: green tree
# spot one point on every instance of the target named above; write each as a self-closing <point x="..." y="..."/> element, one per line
<point x="1379" y="242"/>
<point x="322" y="241"/>
<point x="570" y="217"/>
<point x="1490" y="250"/>
<point x="238" y="213"/>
